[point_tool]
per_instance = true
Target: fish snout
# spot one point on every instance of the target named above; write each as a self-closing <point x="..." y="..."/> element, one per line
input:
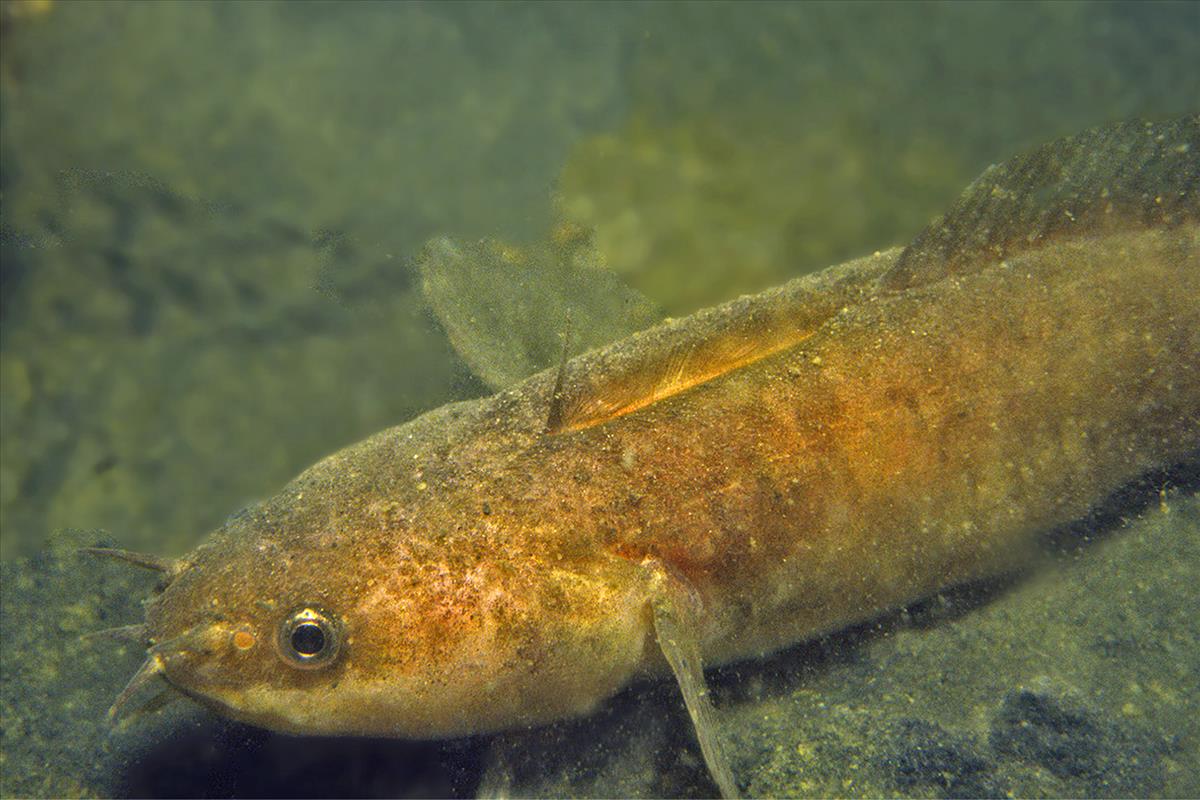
<point x="187" y="644"/>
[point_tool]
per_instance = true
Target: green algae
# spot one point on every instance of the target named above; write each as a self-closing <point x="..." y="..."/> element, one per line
<point x="743" y="201"/>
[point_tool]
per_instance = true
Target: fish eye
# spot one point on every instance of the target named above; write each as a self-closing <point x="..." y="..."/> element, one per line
<point x="309" y="638"/>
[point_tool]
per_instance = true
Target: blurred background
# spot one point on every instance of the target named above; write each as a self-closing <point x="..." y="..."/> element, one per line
<point x="209" y="213"/>
<point x="210" y="210"/>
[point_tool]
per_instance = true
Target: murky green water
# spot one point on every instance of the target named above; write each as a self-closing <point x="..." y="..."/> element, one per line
<point x="209" y="214"/>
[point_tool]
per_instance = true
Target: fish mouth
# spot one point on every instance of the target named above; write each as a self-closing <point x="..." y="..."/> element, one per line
<point x="159" y="654"/>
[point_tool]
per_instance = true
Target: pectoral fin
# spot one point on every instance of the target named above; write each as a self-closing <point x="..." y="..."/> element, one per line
<point x="505" y="308"/>
<point x="675" y="606"/>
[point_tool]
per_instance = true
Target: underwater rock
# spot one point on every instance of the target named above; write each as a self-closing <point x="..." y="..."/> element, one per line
<point x="1098" y="757"/>
<point x="926" y="754"/>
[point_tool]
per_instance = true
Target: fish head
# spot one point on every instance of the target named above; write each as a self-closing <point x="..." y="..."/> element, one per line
<point x="403" y="619"/>
<point x="257" y="630"/>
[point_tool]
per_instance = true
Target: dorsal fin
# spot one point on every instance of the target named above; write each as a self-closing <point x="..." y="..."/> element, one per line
<point x="670" y="358"/>
<point x="1119" y="177"/>
<point x="504" y="307"/>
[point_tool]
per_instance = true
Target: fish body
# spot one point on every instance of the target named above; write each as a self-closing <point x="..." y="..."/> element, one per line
<point x="717" y="487"/>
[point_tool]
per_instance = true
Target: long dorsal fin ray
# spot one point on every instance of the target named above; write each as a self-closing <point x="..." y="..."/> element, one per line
<point x="663" y="361"/>
<point x="1120" y="177"/>
<point x="554" y="418"/>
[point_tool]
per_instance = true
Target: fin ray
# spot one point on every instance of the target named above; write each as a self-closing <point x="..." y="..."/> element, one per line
<point x="675" y="626"/>
<point x="504" y="308"/>
<point x="671" y="358"/>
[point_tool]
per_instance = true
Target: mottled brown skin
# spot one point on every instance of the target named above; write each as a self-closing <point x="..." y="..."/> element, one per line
<point x="490" y="575"/>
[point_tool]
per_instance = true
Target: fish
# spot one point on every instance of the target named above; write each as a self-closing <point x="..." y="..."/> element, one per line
<point x="717" y="487"/>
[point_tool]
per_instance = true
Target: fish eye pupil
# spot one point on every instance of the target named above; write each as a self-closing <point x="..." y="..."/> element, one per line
<point x="308" y="639"/>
